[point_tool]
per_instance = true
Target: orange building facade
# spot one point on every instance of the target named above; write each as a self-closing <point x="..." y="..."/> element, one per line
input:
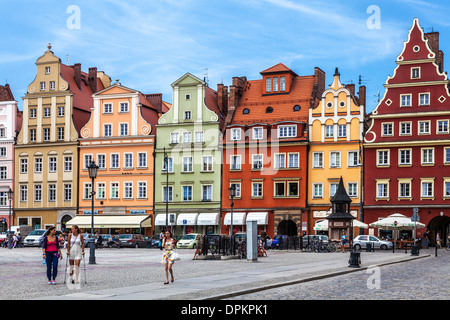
<point x="119" y="138"/>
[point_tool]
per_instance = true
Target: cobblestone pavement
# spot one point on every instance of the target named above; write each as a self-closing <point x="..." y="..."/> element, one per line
<point x="22" y="275"/>
<point x="423" y="279"/>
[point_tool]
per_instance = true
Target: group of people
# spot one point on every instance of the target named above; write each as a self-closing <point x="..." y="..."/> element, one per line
<point x="13" y="241"/>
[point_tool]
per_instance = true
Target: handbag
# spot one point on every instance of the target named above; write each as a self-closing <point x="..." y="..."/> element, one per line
<point x="175" y="256"/>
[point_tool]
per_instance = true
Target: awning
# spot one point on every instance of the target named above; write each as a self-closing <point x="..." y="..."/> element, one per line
<point x="187" y="219"/>
<point x="208" y="219"/>
<point x="113" y="221"/>
<point x="261" y="218"/>
<point x="238" y="218"/>
<point x="160" y="219"/>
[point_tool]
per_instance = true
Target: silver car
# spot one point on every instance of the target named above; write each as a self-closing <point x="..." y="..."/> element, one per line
<point x="362" y="240"/>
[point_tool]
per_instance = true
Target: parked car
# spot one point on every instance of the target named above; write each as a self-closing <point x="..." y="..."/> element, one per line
<point x="189" y="241"/>
<point x="314" y="237"/>
<point x="154" y="241"/>
<point x="35" y="238"/>
<point x="362" y="240"/>
<point x="87" y="239"/>
<point x="276" y="240"/>
<point x="132" y="241"/>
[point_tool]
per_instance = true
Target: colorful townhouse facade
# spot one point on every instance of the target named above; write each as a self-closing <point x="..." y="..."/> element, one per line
<point x="407" y="146"/>
<point x="336" y="129"/>
<point x="10" y="122"/>
<point x="265" y="151"/>
<point x="119" y="138"/>
<point x="188" y="160"/>
<point x="56" y="106"/>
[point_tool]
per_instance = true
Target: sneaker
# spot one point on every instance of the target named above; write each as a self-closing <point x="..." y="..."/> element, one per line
<point x="53" y="282"/>
<point x="49" y="282"/>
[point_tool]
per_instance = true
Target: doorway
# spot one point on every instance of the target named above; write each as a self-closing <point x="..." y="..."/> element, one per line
<point x="439" y="224"/>
<point x="287" y="227"/>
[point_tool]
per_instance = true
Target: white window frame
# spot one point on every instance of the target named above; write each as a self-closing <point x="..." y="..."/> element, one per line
<point x="337" y="159"/>
<point x="408" y="102"/>
<point x="438" y="126"/>
<point x="387" y="129"/>
<point x="386" y="162"/>
<point x="287" y="131"/>
<point x="318" y="163"/>
<point x="317" y="187"/>
<point x="425" y="154"/>
<point x="405" y="125"/>
<point x="424" y="94"/>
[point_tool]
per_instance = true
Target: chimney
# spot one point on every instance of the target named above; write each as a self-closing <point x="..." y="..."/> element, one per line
<point x="222" y="98"/>
<point x="433" y="43"/>
<point x="362" y="96"/>
<point x="319" y="78"/>
<point x="77" y="74"/>
<point x="236" y="90"/>
<point x="92" y="79"/>
<point x="156" y="100"/>
<point x="351" y="88"/>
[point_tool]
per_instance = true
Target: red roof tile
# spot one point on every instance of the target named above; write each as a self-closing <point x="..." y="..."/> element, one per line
<point x="5" y="93"/>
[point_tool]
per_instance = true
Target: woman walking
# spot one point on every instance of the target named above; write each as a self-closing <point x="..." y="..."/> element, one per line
<point x="51" y="253"/>
<point x="75" y="251"/>
<point x="168" y="244"/>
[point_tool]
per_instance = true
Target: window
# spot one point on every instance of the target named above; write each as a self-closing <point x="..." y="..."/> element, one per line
<point x="187" y="137"/>
<point x="427" y="156"/>
<point x="2" y="151"/>
<point x="206" y="192"/>
<point x="293" y="188"/>
<point x="115" y="161"/>
<point x="287" y="131"/>
<point x="246" y="111"/>
<point x="2" y="132"/>
<point x="42" y="86"/>
<point x="235" y="162"/>
<point x="236" y="134"/>
<point x="60" y="111"/>
<point x="352" y="188"/>
<point x="67" y="192"/>
<point x="424" y="99"/>
<point x="383" y="158"/>
<point x="47" y="70"/>
<point x="257" y="189"/>
<point x="257" y="133"/>
<point x="37" y="192"/>
<point x="67" y="164"/>
<point x="170" y="162"/>
<point x="342" y="131"/>
<point x="142" y="160"/>
<point x="38" y="165"/>
<point x="237" y="188"/>
<point x="52" y="164"/>
<point x="318" y="190"/>
<point x="387" y="129"/>
<point x="442" y="126"/>
<point x="329" y="132"/>
<point x="333" y="188"/>
<point x="275" y="84"/>
<point x="335" y="159"/>
<point x="52" y="85"/>
<point x="167" y="193"/>
<point x="382" y="190"/>
<point x="87" y="161"/>
<point x="187" y="193"/>
<point x="128" y="190"/>
<point x="101" y="161"/>
<point x="124" y="107"/>
<point x="447" y="155"/>
<point x="142" y="190"/>
<point x="23" y="193"/>
<point x="128" y="160"/>
<point x="446" y="189"/>
<point x="187" y="164"/>
<point x="114" y="190"/>
<point x="199" y="136"/>
<point x="33" y="113"/>
<point x="175" y="137"/>
<point x="257" y="161"/>
<point x="427" y="187"/>
<point x="405" y="100"/>
<point x="187" y="115"/>
<point x="404" y="189"/>
<point x="415" y="73"/>
<point x="52" y="192"/>
<point x="405" y="128"/>
<point x="101" y="190"/>
<point x="23" y="165"/>
<point x="107" y="108"/>
<point x="297" y="107"/>
<point x="353" y="159"/>
<point x="269" y="110"/>
<point x="268" y="84"/>
<point x="317" y="159"/>
<point x="279" y="189"/>
<point x="207" y="163"/>
<point x="60" y="133"/>
<point x="424" y="127"/>
<point x="46" y="134"/>
<point x="282" y="83"/>
<point x="107" y="129"/>
<point x="32" y="135"/>
<point x="3" y="173"/>
<point x="46" y="112"/>
<point x="124" y="129"/>
<point x="87" y="194"/>
<point x="280" y="161"/>
<point x="293" y="160"/>
<point x="404" y="157"/>
<point x="3" y="198"/>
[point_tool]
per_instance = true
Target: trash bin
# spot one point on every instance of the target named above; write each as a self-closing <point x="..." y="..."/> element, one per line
<point x="355" y="259"/>
<point x="368" y="247"/>
<point x="414" y="250"/>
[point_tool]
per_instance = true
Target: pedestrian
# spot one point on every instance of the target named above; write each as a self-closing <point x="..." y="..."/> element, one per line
<point x="343" y="241"/>
<point x="168" y="257"/>
<point x="161" y="236"/>
<point x="75" y="251"/>
<point x="264" y="239"/>
<point x="425" y="239"/>
<point x="438" y="240"/>
<point x="51" y="253"/>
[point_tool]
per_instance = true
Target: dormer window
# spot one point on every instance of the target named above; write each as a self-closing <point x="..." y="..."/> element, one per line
<point x="297" y="107"/>
<point x="268" y="84"/>
<point x="275" y="84"/>
<point x="282" y="83"/>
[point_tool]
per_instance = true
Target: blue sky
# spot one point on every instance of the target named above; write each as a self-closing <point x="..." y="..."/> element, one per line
<point x="148" y="44"/>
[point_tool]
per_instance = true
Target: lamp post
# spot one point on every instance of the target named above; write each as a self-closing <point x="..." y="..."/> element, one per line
<point x="232" y="191"/>
<point x="10" y="197"/>
<point x="93" y="168"/>
<point x="395" y="236"/>
<point x="166" y="163"/>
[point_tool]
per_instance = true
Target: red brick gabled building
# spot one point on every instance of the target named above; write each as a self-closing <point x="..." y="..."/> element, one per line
<point x="265" y="150"/>
<point x="407" y="145"/>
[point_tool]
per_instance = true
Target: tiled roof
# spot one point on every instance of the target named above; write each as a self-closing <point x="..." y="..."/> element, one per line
<point x="277" y="68"/>
<point x="211" y="103"/>
<point x="5" y="93"/>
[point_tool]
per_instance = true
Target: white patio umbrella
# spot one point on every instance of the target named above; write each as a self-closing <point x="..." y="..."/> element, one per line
<point x="403" y="222"/>
<point x="323" y="225"/>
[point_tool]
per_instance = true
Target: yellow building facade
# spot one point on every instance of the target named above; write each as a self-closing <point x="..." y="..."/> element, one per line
<point x="336" y="128"/>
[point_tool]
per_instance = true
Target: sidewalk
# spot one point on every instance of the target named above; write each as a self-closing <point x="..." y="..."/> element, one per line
<point x="225" y="285"/>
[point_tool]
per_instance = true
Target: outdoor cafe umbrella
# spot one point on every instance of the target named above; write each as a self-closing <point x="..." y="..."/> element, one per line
<point x="403" y="222"/>
<point x="323" y="225"/>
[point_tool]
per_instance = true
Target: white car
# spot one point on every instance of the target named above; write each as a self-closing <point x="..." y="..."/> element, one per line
<point x="34" y="239"/>
<point x="362" y="240"/>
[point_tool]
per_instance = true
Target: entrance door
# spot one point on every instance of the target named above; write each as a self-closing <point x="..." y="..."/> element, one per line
<point x="287" y="227"/>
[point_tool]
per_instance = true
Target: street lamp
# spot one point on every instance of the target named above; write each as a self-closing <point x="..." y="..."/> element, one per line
<point x="93" y="168"/>
<point x="232" y="191"/>
<point x="10" y="197"/>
